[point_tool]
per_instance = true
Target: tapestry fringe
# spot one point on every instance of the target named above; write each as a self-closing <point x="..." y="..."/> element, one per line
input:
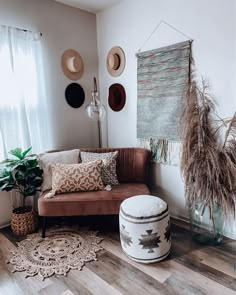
<point x="163" y="151"/>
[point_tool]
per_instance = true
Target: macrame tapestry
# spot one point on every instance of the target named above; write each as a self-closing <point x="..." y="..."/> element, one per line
<point x="163" y="75"/>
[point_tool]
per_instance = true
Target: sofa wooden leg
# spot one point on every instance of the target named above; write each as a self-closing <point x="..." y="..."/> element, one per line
<point x="44" y="226"/>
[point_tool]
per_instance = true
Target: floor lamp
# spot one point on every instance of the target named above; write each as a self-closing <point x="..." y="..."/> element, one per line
<point x="96" y="110"/>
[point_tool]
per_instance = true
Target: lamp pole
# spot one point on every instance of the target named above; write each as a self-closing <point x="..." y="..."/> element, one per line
<point x="99" y="134"/>
<point x="95" y="95"/>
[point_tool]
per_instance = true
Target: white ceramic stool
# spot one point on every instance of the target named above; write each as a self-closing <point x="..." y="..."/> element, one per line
<point x="145" y="228"/>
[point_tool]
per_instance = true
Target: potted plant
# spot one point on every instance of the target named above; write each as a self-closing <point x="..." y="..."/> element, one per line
<point x="23" y="175"/>
<point x="208" y="163"/>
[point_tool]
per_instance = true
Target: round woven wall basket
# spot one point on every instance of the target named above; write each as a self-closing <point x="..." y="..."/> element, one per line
<point x="23" y="221"/>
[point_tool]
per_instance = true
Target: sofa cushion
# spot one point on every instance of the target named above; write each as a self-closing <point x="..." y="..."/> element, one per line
<point x="62" y="157"/>
<point x="109" y="175"/>
<point x="77" y="177"/>
<point x="90" y="203"/>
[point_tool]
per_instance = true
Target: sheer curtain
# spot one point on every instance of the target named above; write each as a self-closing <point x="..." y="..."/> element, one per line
<point x="24" y="111"/>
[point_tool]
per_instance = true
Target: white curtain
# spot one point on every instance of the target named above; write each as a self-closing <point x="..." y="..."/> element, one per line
<point x="24" y="111"/>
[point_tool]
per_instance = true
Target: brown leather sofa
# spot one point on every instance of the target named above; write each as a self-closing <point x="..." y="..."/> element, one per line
<point x="132" y="173"/>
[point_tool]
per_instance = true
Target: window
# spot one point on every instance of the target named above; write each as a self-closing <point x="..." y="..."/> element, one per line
<point x="24" y="115"/>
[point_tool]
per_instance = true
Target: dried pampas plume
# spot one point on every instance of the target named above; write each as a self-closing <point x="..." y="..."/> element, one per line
<point x="208" y="167"/>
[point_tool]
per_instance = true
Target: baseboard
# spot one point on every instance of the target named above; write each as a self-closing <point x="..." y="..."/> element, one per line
<point x="5" y="225"/>
<point x="180" y="217"/>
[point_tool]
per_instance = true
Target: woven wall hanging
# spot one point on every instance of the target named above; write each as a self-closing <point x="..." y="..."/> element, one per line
<point x="163" y="75"/>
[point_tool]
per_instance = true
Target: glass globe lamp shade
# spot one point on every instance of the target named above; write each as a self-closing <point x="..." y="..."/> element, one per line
<point x="95" y="110"/>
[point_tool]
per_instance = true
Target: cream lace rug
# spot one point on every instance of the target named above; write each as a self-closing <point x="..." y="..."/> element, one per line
<point x="61" y="250"/>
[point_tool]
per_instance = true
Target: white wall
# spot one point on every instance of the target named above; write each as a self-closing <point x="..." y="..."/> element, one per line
<point x="63" y="27"/>
<point x="210" y="23"/>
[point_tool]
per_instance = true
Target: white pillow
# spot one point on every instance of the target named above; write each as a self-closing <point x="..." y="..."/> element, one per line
<point x="46" y="159"/>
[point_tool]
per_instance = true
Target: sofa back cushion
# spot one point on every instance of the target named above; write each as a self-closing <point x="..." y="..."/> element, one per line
<point x="62" y="157"/>
<point x="132" y="163"/>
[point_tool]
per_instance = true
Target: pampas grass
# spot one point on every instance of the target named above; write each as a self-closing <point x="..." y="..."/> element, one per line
<point x="208" y="164"/>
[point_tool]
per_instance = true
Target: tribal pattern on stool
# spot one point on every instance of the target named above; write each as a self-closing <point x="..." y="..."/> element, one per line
<point x="150" y="241"/>
<point x="125" y="237"/>
<point x="167" y="233"/>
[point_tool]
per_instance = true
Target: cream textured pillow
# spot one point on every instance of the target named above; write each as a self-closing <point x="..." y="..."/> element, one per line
<point x="109" y="175"/>
<point x="46" y="159"/>
<point x="77" y="177"/>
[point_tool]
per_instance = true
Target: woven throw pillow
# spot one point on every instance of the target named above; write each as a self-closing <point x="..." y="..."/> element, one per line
<point x="109" y="175"/>
<point x="77" y="177"/>
<point x="46" y="159"/>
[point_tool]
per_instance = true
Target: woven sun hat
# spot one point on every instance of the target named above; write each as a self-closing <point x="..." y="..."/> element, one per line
<point x="115" y="61"/>
<point x="117" y="97"/>
<point x="72" y="64"/>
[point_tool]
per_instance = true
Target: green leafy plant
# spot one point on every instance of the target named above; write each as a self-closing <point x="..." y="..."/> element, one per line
<point x="22" y="174"/>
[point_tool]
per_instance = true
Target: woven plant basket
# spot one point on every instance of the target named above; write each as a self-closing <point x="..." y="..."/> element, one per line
<point x="23" y="221"/>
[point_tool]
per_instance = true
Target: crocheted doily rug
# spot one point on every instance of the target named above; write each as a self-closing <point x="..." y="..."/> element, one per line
<point x="62" y="249"/>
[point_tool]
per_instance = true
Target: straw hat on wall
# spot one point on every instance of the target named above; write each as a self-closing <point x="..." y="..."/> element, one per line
<point x="72" y="64"/>
<point x="115" y="61"/>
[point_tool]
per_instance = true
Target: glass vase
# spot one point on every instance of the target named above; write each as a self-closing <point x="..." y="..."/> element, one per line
<point x="206" y="230"/>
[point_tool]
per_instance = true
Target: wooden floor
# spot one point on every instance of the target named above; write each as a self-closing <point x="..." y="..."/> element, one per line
<point x="190" y="269"/>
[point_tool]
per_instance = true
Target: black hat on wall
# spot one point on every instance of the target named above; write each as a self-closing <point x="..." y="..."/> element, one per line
<point x="74" y="94"/>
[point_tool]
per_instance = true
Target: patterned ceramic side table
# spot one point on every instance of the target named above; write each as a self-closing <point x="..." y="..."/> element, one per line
<point x="145" y="228"/>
